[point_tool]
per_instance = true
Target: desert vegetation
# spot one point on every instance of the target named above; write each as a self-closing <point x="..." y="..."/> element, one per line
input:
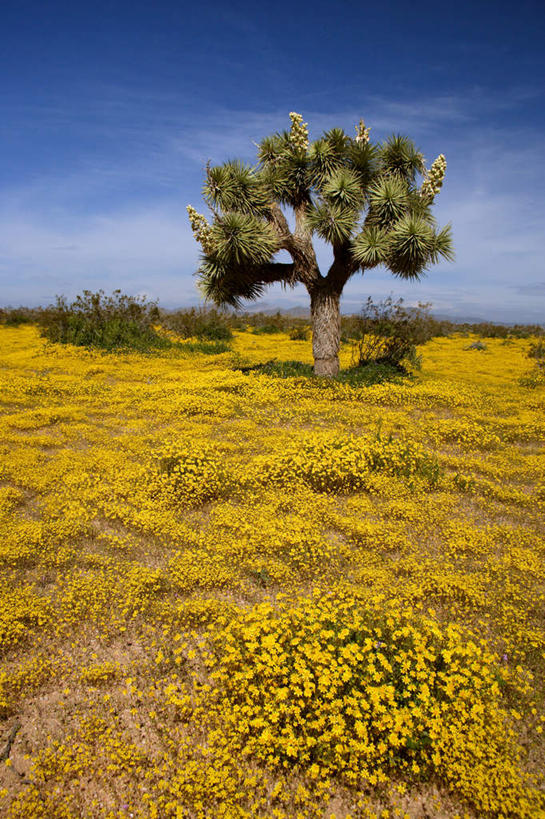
<point x="231" y="588"/>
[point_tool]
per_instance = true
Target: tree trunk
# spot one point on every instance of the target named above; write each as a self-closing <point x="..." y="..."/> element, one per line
<point x="326" y="330"/>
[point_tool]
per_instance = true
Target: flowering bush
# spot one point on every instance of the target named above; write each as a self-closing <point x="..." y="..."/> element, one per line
<point x="193" y="475"/>
<point x="336" y="686"/>
<point x="346" y="464"/>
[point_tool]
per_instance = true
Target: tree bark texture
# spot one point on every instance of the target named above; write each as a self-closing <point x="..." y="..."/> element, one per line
<point x="326" y="330"/>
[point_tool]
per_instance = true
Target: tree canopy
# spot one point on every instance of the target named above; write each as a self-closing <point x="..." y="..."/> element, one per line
<point x="371" y="202"/>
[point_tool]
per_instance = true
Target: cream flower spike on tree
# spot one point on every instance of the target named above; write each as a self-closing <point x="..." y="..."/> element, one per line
<point x="298" y="132"/>
<point x="362" y="133"/>
<point x="433" y="182"/>
<point x="201" y="229"/>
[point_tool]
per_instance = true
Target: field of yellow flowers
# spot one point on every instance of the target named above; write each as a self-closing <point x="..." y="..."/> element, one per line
<point x="227" y="594"/>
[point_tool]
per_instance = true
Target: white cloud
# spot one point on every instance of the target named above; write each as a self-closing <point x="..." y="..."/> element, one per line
<point x="142" y="250"/>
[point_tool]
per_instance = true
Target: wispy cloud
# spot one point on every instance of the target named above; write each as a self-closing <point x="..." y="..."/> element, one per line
<point x="147" y="249"/>
<point x="535" y="289"/>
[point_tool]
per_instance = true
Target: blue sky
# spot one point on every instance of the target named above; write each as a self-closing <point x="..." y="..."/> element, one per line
<point x="110" y="110"/>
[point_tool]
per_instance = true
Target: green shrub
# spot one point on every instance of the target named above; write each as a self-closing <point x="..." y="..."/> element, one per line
<point x="216" y="332"/>
<point x="388" y="333"/>
<point x="280" y="369"/>
<point x="267" y="328"/>
<point x="364" y="376"/>
<point x="535" y="378"/>
<point x="206" y="325"/>
<point x="265" y="322"/>
<point x="299" y="333"/>
<point x="486" y="329"/>
<point x="116" y="322"/>
<point x="205" y="347"/>
<point x="437" y="328"/>
<point x="15" y="316"/>
<point x="537" y="352"/>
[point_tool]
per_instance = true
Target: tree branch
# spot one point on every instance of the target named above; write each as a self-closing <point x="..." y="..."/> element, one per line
<point x="280" y="225"/>
<point x="298" y="244"/>
<point x="275" y="272"/>
<point x="230" y="285"/>
<point x="342" y="268"/>
<point x="304" y="256"/>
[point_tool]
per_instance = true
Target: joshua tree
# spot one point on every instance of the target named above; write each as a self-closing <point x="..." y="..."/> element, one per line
<point x="361" y="198"/>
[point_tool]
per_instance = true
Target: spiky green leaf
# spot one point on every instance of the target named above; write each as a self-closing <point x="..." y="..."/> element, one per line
<point x="338" y="141"/>
<point x="332" y="222"/>
<point x="411" y="246"/>
<point x="371" y="246"/>
<point x="442" y="245"/>
<point x="419" y="207"/>
<point x="272" y="148"/>
<point x="235" y="186"/>
<point x="399" y="156"/>
<point x="343" y="188"/>
<point x="363" y="159"/>
<point x="228" y="286"/>
<point x="388" y="200"/>
<point x="241" y="238"/>
<point x="289" y="181"/>
<point x="324" y="161"/>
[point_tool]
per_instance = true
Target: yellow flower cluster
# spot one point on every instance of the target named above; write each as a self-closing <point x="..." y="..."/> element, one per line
<point x="194" y="475"/>
<point x="467" y="434"/>
<point x="233" y="595"/>
<point x="99" y="674"/>
<point x="337" y="687"/>
<point x="347" y="464"/>
<point x="21" y="610"/>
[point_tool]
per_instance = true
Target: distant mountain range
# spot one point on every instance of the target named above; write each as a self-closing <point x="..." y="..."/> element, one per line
<point x="295" y="312"/>
<point x="299" y="311"/>
<point x="302" y="311"/>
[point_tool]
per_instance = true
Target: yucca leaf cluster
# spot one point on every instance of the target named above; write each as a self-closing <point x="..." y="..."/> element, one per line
<point x="240" y="238"/>
<point x="363" y="198"/>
